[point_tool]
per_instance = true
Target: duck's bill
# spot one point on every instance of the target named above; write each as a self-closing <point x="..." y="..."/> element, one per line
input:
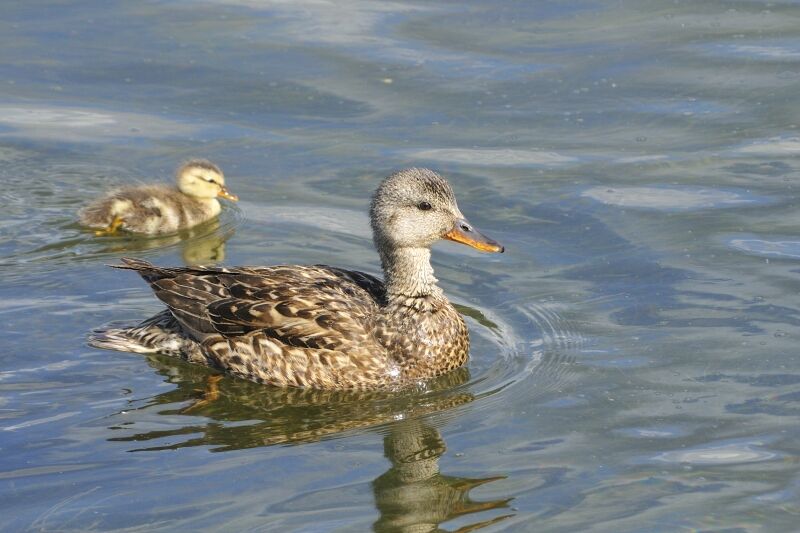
<point x="224" y="193"/>
<point x="464" y="233"/>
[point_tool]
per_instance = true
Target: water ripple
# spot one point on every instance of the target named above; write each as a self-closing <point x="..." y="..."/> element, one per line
<point x="78" y="124"/>
<point x="719" y="454"/>
<point x="671" y="198"/>
<point x="495" y="157"/>
<point x="788" y="249"/>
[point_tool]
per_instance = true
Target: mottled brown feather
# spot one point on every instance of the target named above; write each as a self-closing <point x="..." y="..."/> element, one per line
<point x="326" y="328"/>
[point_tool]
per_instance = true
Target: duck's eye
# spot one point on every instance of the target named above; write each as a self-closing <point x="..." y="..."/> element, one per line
<point x="424" y="206"/>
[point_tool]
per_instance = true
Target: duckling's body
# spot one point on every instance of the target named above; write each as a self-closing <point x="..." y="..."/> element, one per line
<point x="319" y="326"/>
<point x="150" y="209"/>
<point x="159" y="209"/>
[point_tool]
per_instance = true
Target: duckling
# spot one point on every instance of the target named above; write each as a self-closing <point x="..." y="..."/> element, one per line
<point x="158" y="209"/>
<point x="319" y="326"/>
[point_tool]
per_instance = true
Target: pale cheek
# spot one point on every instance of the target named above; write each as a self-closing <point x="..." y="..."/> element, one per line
<point x="405" y="230"/>
<point x="202" y="190"/>
<point x="444" y="225"/>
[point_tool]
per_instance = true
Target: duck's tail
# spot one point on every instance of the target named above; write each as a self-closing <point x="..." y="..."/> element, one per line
<point x="119" y="339"/>
<point x="159" y="334"/>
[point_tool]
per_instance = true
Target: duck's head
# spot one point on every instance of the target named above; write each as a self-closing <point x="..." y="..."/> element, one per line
<point x="203" y="179"/>
<point x="415" y="208"/>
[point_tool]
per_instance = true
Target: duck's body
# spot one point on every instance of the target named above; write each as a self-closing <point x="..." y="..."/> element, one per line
<point x="302" y="326"/>
<point x="160" y="209"/>
<point x="319" y="326"/>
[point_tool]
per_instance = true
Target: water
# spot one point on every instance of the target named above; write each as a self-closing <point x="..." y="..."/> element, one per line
<point x="634" y="365"/>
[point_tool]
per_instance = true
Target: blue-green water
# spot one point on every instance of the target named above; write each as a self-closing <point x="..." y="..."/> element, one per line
<point x="635" y="362"/>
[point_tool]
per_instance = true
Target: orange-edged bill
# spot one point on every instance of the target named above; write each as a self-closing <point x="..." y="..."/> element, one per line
<point x="224" y="193"/>
<point x="464" y="233"/>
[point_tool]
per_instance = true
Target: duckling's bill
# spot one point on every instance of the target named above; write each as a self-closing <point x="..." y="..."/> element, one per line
<point x="464" y="233"/>
<point x="225" y="193"/>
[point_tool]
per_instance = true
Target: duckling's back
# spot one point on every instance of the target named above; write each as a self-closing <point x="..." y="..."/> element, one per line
<point x="148" y="209"/>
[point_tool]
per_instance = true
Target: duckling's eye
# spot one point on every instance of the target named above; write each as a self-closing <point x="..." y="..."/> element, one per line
<point x="424" y="206"/>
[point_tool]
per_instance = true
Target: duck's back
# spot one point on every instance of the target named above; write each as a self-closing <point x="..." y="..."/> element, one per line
<point x="150" y="209"/>
<point x="306" y="326"/>
<point x="304" y="306"/>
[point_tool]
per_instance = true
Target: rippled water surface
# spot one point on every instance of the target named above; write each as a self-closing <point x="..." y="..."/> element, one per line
<point x="634" y="363"/>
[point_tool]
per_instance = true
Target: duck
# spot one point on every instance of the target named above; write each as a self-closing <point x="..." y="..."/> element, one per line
<point x="159" y="209"/>
<point x="319" y="326"/>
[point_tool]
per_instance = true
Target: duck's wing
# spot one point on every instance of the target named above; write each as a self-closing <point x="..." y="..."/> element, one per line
<point x="304" y="306"/>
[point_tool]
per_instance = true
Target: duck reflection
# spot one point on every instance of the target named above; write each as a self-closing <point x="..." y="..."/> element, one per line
<point x="244" y="414"/>
<point x="413" y="495"/>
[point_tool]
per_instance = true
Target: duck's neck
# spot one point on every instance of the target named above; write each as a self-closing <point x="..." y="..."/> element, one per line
<point x="211" y="205"/>
<point x="408" y="273"/>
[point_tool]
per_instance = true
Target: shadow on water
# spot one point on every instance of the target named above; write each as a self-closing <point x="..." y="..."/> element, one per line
<point x="412" y="495"/>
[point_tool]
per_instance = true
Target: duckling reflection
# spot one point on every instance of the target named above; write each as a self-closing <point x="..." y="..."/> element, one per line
<point x="206" y="249"/>
<point x="414" y="496"/>
<point x="245" y="415"/>
<point x="201" y="245"/>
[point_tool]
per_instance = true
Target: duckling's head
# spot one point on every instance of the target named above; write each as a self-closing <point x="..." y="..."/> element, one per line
<point x="416" y="207"/>
<point x="203" y="179"/>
